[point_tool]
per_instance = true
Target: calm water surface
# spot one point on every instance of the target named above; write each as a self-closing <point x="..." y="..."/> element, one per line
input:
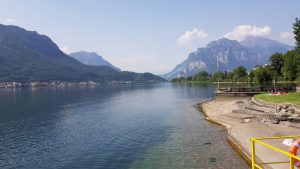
<point x="135" y="126"/>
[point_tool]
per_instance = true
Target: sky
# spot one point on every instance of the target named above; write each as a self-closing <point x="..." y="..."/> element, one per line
<point x="150" y="35"/>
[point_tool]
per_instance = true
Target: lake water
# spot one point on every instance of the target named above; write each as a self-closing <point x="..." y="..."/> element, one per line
<point x="111" y="127"/>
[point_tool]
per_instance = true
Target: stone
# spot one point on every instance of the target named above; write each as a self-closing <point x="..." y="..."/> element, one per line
<point x="279" y="108"/>
<point x="263" y="120"/>
<point x="282" y="111"/>
<point x="246" y="120"/>
<point x="275" y="121"/>
<point x="291" y="110"/>
<point x="212" y="160"/>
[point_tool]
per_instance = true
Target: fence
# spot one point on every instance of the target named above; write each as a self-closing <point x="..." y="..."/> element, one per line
<point x="260" y="141"/>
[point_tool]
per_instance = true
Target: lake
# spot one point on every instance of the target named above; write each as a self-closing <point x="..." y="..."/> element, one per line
<point x="111" y="127"/>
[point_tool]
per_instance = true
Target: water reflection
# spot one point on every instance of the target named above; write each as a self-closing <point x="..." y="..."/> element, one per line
<point x="133" y="126"/>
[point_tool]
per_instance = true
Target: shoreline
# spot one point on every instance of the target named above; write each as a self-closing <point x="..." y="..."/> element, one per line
<point x="232" y="142"/>
<point x="65" y="84"/>
<point x="240" y="132"/>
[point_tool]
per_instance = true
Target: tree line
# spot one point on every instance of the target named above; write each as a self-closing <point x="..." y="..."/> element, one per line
<point x="281" y="67"/>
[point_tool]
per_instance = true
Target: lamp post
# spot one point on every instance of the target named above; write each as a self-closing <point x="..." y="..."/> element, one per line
<point x="218" y="73"/>
<point x="275" y="93"/>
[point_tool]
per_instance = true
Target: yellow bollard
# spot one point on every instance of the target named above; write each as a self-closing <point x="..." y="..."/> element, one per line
<point x="291" y="163"/>
<point x="253" y="152"/>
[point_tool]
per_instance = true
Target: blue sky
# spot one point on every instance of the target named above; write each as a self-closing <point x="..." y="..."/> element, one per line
<point x="150" y="35"/>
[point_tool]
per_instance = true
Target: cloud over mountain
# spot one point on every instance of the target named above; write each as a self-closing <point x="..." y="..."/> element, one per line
<point x="286" y="35"/>
<point x="65" y="49"/>
<point x="240" y="32"/>
<point x="192" y="35"/>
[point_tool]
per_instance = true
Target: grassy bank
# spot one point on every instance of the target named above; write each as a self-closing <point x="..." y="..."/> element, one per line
<point x="290" y="98"/>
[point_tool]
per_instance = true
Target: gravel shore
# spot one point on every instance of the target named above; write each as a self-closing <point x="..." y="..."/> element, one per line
<point x="244" y="120"/>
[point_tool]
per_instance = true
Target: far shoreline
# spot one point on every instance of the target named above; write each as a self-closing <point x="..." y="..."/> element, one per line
<point x="66" y="84"/>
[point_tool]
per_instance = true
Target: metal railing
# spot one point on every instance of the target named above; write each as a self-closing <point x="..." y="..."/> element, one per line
<point x="256" y="165"/>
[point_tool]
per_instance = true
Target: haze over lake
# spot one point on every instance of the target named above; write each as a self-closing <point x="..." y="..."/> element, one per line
<point x="130" y="126"/>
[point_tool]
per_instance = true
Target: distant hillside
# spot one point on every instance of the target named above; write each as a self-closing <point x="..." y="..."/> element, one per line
<point x="263" y="48"/>
<point x="92" y="58"/>
<point x="250" y="52"/>
<point x="26" y="56"/>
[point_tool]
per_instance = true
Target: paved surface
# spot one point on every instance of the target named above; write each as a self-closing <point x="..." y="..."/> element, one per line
<point x="231" y="112"/>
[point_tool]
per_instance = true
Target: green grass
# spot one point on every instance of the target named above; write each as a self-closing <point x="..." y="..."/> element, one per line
<point x="290" y="98"/>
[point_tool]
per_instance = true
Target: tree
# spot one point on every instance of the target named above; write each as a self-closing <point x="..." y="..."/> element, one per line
<point x="178" y="79"/>
<point x="277" y="61"/>
<point x="201" y="76"/>
<point x="289" y="69"/>
<point x="263" y="75"/>
<point x="251" y="76"/>
<point x="298" y="66"/>
<point x="230" y="76"/>
<point x="189" y="78"/>
<point x="218" y="76"/>
<point x="240" y="73"/>
<point x="296" y="27"/>
<point x="296" y="31"/>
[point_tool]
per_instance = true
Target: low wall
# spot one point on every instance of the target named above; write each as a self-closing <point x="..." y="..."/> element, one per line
<point x="235" y="94"/>
<point x="273" y="105"/>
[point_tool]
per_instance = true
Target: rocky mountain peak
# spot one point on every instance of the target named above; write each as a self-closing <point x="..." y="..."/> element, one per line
<point x="230" y="53"/>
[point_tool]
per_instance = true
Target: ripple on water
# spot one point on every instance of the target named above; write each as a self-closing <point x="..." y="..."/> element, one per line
<point x="150" y="126"/>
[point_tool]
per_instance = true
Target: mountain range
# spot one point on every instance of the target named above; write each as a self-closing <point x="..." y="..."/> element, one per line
<point x="27" y="56"/>
<point x="229" y="54"/>
<point x="93" y="59"/>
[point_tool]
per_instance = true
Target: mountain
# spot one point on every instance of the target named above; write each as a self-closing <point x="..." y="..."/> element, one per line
<point x="27" y="56"/>
<point x="92" y="58"/>
<point x="250" y="52"/>
<point x="264" y="47"/>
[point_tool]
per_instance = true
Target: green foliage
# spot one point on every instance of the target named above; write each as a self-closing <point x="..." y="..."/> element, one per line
<point x="298" y="66"/>
<point x="276" y="62"/>
<point x="179" y="79"/>
<point x="296" y="27"/>
<point x="289" y="69"/>
<point x="218" y="76"/>
<point x="239" y="73"/>
<point x="189" y="78"/>
<point x="251" y="76"/>
<point x="296" y="31"/>
<point x="201" y="76"/>
<point x="263" y="75"/>
<point x="230" y="76"/>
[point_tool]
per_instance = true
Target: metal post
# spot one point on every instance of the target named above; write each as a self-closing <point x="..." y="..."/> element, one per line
<point x="275" y="94"/>
<point x="253" y="153"/>
<point x="218" y="75"/>
<point x="291" y="163"/>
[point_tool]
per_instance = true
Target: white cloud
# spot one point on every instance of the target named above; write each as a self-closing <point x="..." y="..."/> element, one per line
<point x="9" y="21"/>
<point x="65" y="49"/>
<point x="286" y="35"/>
<point x="242" y="31"/>
<point x="190" y="36"/>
